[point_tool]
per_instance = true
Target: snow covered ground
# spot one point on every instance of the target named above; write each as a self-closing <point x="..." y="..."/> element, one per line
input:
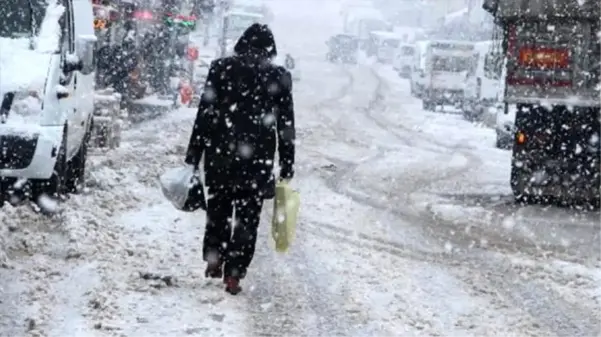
<point x="406" y="229"/>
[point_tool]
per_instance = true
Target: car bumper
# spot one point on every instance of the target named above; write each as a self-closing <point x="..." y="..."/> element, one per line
<point x="29" y="152"/>
<point x="445" y="96"/>
<point x="580" y="190"/>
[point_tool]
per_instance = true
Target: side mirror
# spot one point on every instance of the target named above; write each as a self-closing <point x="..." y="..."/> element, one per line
<point x="84" y="52"/>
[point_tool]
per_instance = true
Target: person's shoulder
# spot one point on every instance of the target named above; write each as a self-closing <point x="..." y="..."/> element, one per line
<point x="284" y="77"/>
<point x="223" y="61"/>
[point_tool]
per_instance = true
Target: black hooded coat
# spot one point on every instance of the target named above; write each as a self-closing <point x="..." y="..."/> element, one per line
<point x="246" y="110"/>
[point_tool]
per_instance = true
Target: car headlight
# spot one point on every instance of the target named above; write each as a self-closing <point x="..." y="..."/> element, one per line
<point x="26" y="107"/>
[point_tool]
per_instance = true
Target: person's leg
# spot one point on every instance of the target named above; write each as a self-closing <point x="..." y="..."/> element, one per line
<point x="218" y="232"/>
<point x="242" y="245"/>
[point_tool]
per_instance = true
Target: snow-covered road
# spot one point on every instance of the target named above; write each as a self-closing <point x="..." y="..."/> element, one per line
<point x="406" y="229"/>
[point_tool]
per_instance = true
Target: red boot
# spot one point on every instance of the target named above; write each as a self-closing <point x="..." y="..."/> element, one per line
<point x="232" y="285"/>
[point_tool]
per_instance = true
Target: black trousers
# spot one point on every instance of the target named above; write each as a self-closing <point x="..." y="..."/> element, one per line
<point x="231" y="230"/>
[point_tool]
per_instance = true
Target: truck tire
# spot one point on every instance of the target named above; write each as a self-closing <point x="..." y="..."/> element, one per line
<point x="519" y="196"/>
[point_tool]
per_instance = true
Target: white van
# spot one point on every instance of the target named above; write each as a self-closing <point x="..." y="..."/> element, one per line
<point x="418" y="70"/>
<point x="383" y="45"/>
<point x="238" y="21"/>
<point x="403" y="59"/>
<point x="255" y="7"/>
<point x="447" y="63"/>
<point x="481" y="86"/>
<point x="47" y="93"/>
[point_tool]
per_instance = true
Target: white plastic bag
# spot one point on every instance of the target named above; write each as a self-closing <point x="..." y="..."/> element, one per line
<point x="183" y="188"/>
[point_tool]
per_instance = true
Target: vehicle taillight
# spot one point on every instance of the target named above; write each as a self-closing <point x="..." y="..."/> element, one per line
<point x="544" y="58"/>
<point x="143" y="15"/>
<point x="520" y="138"/>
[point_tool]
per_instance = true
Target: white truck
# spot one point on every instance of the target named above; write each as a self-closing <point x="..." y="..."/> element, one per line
<point x="482" y="85"/>
<point x="47" y="97"/>
<point x="446" y="66"/>
<point x="361" y="24"/>
<point x="383" y="45"/>
<point x="403" y="59"/>
<point x="255" y="7"/>
<point x="237" y="21"/>
<point x="418" y="69"/>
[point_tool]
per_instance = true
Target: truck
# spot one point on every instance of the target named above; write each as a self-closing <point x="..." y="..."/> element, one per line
<point x="446" y="65"/>
<point x="403" y="59"/>
<point x="383" y="46"/>
<point x="551" y="54"/>
<point x="361" y="24"/>
<point x="482" y="84"/>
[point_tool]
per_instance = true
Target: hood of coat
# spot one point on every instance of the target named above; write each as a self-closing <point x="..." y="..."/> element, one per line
<point x="256" y="42"/>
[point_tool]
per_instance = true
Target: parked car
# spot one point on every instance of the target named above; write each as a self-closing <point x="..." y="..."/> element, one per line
<point x="343" y="48"/>
<point x="46" y="111"/>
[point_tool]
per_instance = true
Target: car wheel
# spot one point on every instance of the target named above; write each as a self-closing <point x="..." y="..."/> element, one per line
<point x="53" y="187"/>
<point x="428" y="105"/>
<point x="76" y="168"/>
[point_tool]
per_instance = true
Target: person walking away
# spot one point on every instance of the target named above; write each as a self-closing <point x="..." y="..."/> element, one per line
<point x="289" y="62"/>
<point x="246" y="108"/>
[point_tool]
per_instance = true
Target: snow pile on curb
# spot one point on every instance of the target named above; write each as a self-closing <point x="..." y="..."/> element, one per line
<point x="3" y="234"/>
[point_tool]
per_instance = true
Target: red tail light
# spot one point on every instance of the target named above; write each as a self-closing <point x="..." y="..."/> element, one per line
<point x="520" y="138"/>
<point x="544" y="58"/>
<point x="143" y="15"/>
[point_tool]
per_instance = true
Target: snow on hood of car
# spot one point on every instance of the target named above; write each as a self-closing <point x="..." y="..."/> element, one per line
<point x="23" y="64"/>
<point x="21" y="68"/>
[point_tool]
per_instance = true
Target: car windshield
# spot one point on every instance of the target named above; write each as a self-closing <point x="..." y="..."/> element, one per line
<point x="21" y="18"/>
<point x="450" y="63"/>
<point x="394" y="43"/>
<point x="407" y="51"/>
<point x="345" y="42"/>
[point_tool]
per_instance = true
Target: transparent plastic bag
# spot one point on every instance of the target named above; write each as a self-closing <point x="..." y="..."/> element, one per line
<point x="183" y="188"/>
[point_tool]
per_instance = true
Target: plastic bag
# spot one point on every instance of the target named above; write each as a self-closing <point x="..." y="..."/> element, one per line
<point x="285" y="212"/>
<point x="183" y="188"/>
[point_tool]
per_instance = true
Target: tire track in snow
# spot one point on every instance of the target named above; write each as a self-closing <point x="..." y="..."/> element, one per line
<point x="289" y="296"/>
<point x="545" y="306"/>
<point x="545" y="311"/>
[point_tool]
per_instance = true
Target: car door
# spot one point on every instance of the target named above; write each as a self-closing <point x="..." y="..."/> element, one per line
<point x="83" y="23"/>
<point x="68" y="83"/>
